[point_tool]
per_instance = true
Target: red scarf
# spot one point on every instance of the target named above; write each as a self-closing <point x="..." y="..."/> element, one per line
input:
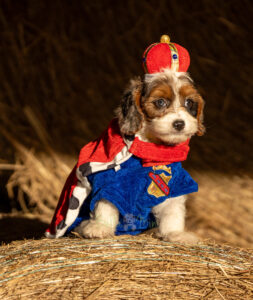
<point x="105" y="148"/>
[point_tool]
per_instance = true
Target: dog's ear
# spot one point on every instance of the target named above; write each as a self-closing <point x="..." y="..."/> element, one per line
<point x="129" y="112"/>
<point x="200" y="117"/>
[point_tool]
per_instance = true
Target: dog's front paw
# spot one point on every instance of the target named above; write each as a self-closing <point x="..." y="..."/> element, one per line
<point x="94" y="229"/>
<point x="181" y="237"/>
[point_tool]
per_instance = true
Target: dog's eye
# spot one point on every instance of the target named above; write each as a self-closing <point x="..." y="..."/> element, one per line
<point x="161" y="103"/>
<point x="191" y="106"/>
<point x="189" y="103"/>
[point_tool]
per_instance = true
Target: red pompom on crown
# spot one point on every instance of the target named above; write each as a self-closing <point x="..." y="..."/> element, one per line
<point x="165" y="55"/>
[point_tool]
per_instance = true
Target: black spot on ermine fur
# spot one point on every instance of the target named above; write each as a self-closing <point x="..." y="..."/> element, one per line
<point x="111" y="166"/>
<point x="73" y="202"/>
<point x="61" y="225"/>
<point x="85" y="169"/>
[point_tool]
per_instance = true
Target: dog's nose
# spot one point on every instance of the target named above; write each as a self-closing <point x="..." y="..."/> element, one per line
<point x="178" y="125"/>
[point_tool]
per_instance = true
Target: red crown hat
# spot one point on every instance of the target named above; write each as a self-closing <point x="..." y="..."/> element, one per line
<point x="165" y="54"/>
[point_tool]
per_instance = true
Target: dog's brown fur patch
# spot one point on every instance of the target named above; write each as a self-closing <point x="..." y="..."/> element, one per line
<point x="189" y="91"/>
<point x="160" y="91"/>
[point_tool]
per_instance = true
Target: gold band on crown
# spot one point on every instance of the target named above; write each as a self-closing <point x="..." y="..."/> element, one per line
<point x="173" y="50"/>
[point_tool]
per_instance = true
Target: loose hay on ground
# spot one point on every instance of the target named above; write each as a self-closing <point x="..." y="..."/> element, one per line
<point x="222" y="209"/>
<point x="123" y="268"/>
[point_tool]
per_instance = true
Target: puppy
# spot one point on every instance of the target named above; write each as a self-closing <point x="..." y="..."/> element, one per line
<point x="164" y="109"/>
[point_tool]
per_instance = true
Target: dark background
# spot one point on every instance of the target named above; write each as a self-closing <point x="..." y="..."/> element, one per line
<point x="66" y="63"/>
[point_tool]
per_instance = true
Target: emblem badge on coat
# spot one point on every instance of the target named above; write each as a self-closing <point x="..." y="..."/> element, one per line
<point x="159" y="184"/>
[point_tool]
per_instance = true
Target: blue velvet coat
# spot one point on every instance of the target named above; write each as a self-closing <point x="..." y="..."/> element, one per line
<point x="134" y="190"/>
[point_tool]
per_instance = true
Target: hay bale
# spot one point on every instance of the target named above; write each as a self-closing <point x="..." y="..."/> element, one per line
<point x="123" y="268"/>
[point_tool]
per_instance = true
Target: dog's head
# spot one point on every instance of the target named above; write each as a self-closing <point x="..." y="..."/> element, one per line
<point x="164" y="108"/>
